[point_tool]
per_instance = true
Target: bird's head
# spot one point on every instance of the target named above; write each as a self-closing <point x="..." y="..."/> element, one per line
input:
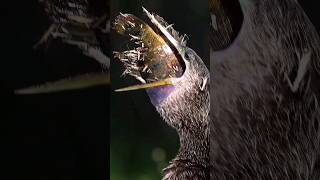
<point x="174" y="76"/>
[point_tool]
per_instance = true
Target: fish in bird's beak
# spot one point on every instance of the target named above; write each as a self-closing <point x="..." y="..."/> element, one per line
<point x="157" y="54"/>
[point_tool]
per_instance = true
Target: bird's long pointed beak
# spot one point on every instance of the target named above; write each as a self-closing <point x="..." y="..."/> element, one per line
<point x="73" y="83"/>
<point x="164" y="82"/>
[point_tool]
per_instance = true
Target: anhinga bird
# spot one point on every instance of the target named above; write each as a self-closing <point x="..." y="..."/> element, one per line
<point x="259" y="118"/>
<point x="177" y="84"/>
<point x="264" y="110"/>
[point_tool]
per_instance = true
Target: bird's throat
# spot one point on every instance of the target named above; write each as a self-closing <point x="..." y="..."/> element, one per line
<point x="159" y="93"/>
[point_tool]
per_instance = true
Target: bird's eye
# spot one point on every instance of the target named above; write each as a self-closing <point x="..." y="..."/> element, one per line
<point x="189" y="56"/>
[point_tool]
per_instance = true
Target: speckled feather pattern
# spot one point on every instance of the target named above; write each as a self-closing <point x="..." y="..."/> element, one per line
<point x="187" y="110"/>
<point x="261" y="128"/>
<point x="264" y="110"/>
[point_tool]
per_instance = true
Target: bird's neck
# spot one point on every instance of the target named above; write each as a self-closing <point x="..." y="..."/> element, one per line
<point x="192" y="159"/>
<point x="194" y="146"/>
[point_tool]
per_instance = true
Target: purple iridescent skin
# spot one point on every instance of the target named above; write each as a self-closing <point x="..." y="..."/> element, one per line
<point x="158" y="94"/>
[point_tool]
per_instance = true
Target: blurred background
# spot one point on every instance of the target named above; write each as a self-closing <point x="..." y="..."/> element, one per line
<point x="141" y="143"/>
<point x="48" y="136"/>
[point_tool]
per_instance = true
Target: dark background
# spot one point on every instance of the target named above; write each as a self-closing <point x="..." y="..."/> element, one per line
<point x="66" y="135"/>
<point x="51" y="136"/>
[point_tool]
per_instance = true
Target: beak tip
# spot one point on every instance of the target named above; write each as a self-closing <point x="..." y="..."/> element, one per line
<point x="148" y="85"/>
<point x="118" y="90"/>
